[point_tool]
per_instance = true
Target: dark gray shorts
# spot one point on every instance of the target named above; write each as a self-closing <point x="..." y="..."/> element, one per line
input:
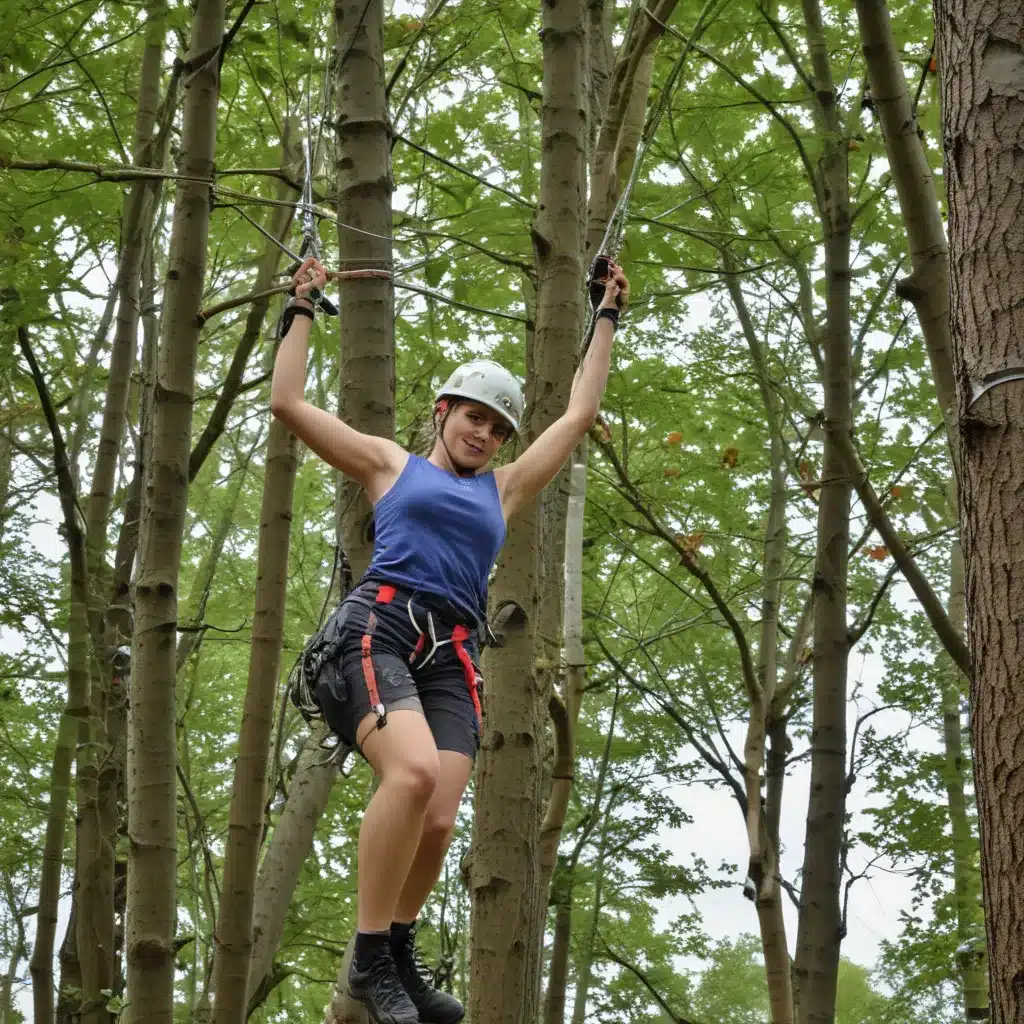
<point x="374" y="659"/>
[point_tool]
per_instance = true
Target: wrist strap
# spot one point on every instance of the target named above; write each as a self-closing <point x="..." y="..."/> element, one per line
<point x="289" y="315"/>
<point x="608" y="314"/>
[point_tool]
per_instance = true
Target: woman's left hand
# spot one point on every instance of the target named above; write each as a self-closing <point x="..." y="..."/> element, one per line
<point x="311" y="275"/>
<point x="616" y="289"/>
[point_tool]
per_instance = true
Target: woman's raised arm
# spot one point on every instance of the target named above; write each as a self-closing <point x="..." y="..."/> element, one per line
<point x="373" y="462"/>
<point x="525" y="478"/>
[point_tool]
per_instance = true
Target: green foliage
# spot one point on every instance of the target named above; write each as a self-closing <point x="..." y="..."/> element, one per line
<point x="723" y="179"/>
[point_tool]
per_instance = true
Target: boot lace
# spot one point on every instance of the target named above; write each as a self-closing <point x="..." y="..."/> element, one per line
<point x="411" y="954"/>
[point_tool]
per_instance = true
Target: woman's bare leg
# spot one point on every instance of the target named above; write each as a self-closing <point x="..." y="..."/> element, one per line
<point x="405" y="760"/>
<point x="436" y="834"/>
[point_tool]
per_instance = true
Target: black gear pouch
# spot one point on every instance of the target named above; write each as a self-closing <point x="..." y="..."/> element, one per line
<point x="320" y="665"/>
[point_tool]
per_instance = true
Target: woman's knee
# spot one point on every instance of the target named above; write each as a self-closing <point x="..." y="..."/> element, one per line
<point x="403" y="754"/>
<point x="416" y="773"/>
<point x="438" y="827"/>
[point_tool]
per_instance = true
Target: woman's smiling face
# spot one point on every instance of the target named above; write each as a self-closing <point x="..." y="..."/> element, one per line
<point x="473" y="433"/>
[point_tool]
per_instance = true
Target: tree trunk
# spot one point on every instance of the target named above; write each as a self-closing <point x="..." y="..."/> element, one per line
<point x="558" y="970"/>
<point x="367" y="384"/>
<point x="585" y="957"/>
<point x="289" y="846"/>
<point x="364" y="201"/>
<point x="818" y="933"/>
<point x="970" y="920"/>
<point x="553" y="867"/>
<point x="927" y="287"/>
<point x="233" y="936"/>
<point x="97" y="786"/>
<point x="980" y="48"/>
<point x="508" y="903"/>
<point x="16" y="911"/>
<point x="152" y="812"/>
<point x="75" y="711"/>
<point x="118" y="620"/>
<point x="41" y="964"/>
<point x="567" y="714"/>
<point x="765" y="714"/>
<point x="622" y="121"/>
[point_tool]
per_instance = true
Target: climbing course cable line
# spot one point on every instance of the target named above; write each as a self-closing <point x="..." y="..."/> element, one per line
<point x="615" y="228"/>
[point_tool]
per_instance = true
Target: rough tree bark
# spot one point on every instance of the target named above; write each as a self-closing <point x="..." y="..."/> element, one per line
<point x="507" y="918"/>
<point x="152" y="811"/>
<point x="980" y="51"/>
<point x="367" y="384"/>
<point x="819" y="936"/>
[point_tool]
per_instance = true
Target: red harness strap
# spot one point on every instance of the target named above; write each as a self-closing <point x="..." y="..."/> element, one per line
<point x="460" y="634"/>
<point x="385" y="595"/>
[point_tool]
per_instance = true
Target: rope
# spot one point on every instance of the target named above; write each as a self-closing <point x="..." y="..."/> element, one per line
<point x="612" y="242"/>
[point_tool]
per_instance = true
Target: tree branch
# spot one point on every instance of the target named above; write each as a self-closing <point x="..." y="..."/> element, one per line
<point x="930" y="603"/>
<point x="707" y="754"/>
<point x="126" y="173"/>
<point x="645" y="981"/>
<point x="462" y="170"/>
<point x="65" y="482"/>
<point x="689" y="563"/>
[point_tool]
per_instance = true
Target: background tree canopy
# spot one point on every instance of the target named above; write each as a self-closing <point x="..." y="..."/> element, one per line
<point x="717" y="377"/>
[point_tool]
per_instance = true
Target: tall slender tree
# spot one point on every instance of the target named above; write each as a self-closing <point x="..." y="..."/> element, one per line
<point x="233" y="936"/>
<point x="152" y="755"/>
<point x="507" y="923"/>
<point x="819" y="933"/>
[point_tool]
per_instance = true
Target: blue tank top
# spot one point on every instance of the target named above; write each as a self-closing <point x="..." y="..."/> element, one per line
<point x="439" y="533"/>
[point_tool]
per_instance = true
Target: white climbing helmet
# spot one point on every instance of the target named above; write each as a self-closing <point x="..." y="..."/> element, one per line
<point x="489" y="384"/>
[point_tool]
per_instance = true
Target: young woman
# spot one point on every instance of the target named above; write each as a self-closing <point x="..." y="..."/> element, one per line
<point x="399" y="680"/>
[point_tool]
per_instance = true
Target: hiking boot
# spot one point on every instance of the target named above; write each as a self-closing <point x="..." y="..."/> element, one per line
<point x="380" y="990"/>
<point x="434" y="1006"/>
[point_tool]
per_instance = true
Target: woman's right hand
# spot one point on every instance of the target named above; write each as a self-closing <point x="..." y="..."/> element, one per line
<point x="311" y="275"/>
